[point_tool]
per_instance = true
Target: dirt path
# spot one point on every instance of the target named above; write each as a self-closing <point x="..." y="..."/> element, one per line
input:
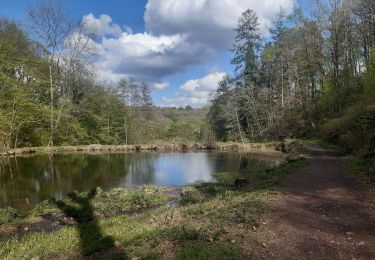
<point x="325" y="212"/>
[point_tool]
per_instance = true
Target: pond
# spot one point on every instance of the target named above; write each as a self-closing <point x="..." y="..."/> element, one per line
<point x="25" y="181"/>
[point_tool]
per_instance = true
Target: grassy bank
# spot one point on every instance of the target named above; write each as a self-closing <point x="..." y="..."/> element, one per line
<point x="212" y="220"/>
<point x="162" y="147"/>
<point x="102" y="204"/>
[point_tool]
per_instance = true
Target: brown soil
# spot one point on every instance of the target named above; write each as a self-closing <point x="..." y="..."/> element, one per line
<point x="325" y="212"/>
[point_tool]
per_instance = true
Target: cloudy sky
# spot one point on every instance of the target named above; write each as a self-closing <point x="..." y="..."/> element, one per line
<point x="179" y="46"/>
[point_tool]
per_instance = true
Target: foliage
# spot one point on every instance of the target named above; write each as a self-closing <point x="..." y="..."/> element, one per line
<point x="362" y="167"/>
<point x="352" y="131"/>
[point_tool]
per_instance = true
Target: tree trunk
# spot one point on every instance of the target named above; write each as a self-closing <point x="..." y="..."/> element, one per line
<point x="50" y="143"/>
<point x="239" y="127"/>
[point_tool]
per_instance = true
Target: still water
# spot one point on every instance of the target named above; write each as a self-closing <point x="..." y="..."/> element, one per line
<point x="25" y="181"/>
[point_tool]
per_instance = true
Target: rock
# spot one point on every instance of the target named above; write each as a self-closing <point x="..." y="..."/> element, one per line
<point x="233" y="241"/>
<point x="26" y="229"/>
<point x="210" y="239"/>
<point x="349" y="233"/>
<point x="254" y="228"/>
<point x="264" y="244"/>
<point x="361" y="243"/>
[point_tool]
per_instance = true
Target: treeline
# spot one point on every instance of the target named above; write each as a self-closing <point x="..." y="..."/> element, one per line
<point x="50" y="95"/>
<point x="310" y="70"/>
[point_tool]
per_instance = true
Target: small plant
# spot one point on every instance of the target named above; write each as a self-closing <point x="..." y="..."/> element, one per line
<point x="185" y="232"/>
<point x="46" y="207"/>
<point x="190" y="195"/>
<point x="9" y="215"/>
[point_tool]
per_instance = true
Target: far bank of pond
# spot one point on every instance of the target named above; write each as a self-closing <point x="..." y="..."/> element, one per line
<point x="163" y="147"/>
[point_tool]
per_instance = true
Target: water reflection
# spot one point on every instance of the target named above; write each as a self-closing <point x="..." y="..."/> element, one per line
<point x="25" y="181"/>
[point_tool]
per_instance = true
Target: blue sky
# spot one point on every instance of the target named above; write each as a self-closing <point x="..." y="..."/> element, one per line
<point x="179" y="46"/>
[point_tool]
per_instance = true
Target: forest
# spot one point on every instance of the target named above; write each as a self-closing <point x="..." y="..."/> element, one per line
<point x="314" y="78"/>
<point x="49" y="88"/>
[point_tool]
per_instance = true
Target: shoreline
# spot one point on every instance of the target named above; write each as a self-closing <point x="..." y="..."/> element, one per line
<point x="163" y="147"/>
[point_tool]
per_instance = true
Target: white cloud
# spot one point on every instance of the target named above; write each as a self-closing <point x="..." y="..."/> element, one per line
<point x="179" y="33"/>
<point x="103" y="25"/>
<point x="161" y="85"/>
<point x="207" y="83"/>
<point x="208" y="21"/>
<point x="196" y="92"/>
<point x="147" y="57"/>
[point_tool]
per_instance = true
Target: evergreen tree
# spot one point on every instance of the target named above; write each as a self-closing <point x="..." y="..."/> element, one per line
<point x="246" y="47"/>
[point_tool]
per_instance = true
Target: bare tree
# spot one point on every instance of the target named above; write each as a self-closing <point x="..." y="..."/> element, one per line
<point x="50" y="27"/>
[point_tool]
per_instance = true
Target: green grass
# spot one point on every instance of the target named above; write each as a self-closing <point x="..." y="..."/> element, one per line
<point x="106" y="204"/>
<point x="201" y="251"/>
<point x="9" y="215"/>
<point x="214" y="221"/>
